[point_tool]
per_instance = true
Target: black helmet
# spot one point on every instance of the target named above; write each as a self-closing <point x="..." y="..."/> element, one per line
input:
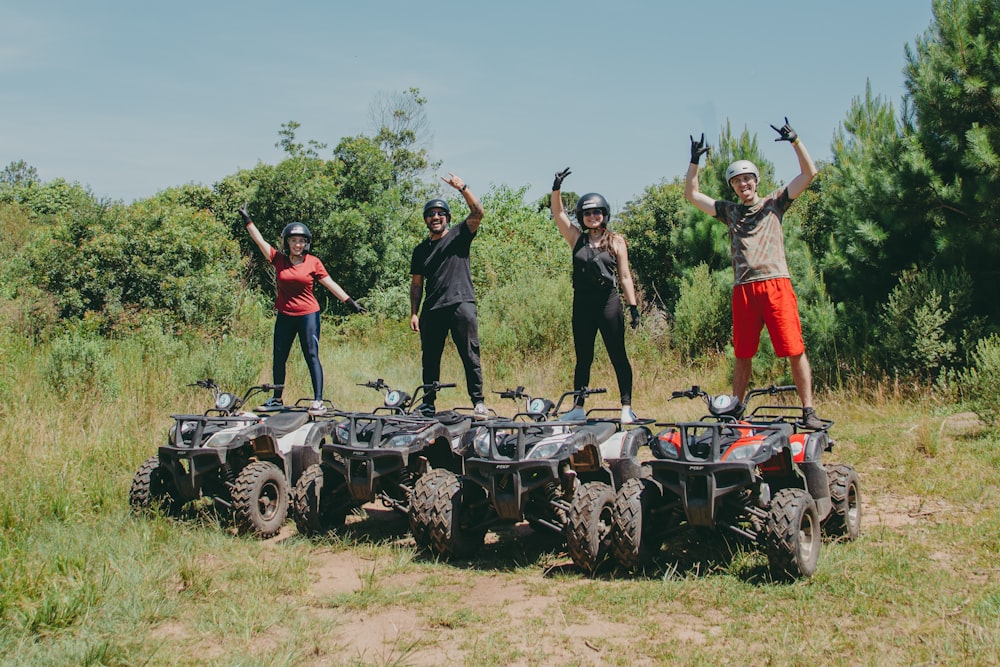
<point x="296" y="229"/>
<point x="592" y="200"/>
<point x="438" y="203"/>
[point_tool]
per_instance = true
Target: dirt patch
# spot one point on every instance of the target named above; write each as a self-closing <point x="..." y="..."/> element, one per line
<point x="895" y="511"/>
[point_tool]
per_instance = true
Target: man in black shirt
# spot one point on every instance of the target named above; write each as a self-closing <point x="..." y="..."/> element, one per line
<point x="440" y="269"/>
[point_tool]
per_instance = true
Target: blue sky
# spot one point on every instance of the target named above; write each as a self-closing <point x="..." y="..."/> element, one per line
<point x="129" y="98"/>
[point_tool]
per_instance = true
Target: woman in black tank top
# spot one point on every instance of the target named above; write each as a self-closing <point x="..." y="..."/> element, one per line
<point x="600" y="263"/>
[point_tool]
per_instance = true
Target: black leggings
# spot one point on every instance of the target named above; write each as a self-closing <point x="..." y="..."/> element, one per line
<point x="462" y="321"/>
<point x="593" y="312"/>
<point x="306" y="327"/>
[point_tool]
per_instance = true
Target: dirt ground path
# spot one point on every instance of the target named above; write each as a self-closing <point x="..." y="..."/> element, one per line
<point x="470" y="601"/>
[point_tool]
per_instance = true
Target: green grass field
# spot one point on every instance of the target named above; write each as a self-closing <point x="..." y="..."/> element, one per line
<point x="84" y="581"/>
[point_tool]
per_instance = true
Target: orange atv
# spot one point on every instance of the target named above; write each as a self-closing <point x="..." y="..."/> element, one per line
<point x="759" y="476"/>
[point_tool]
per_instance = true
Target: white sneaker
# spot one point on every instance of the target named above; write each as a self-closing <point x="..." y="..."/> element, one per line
<point x="317" y="408"/>
<point x="627" y="415"/>
<point x="574" y="414"/>
<point x="480" y="410"/>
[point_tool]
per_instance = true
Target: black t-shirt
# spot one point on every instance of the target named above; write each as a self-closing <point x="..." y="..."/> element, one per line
<point x="444" y="264"/>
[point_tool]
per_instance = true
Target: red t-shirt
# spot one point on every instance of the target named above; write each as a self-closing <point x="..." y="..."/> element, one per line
<point x="295" y="283"/>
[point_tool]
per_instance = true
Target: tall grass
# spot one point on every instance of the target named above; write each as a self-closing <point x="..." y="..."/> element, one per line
<point x="83" y="581"/>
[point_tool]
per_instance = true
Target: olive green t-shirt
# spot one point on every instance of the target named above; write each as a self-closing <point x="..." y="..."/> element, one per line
<point x="756" y="238"/>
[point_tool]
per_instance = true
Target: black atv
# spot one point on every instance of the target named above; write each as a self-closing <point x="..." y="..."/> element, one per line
<point x="377" y="455"/>
<point x="759" y="477"/>
<point x="241" y="460"/>
<point x="556" y="474"/>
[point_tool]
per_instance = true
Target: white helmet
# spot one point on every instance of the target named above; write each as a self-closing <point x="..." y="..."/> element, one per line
<point x="741" y="167"/>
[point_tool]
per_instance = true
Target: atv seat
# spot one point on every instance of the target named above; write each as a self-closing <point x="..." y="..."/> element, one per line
<point x="601" y="430"/>
<point x="284" y="423"/>
<point x="454" y="421"/>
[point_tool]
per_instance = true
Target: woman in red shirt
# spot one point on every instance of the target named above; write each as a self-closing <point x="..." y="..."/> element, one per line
<point x="295" y="271"/>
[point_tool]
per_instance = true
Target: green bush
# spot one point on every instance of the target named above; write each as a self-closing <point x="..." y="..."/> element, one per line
<point x="79" y="364"/>
<point x="115" y="263"/>
<point x="528" y="317"/>
<point x="923" y="322"/>
<point x="980" y="383"/>
<point x="703" y="314"/>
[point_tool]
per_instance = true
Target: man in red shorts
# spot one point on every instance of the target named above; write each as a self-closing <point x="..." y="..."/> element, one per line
<point x="762" y="292"/>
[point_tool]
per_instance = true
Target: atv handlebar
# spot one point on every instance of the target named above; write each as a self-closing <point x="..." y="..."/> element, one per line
<point x="583" y="392"/>
<point x="513" y="394"/>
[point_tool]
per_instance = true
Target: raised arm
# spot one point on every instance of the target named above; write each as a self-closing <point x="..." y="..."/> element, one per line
<point x="255" y="235"/>
<point x="807" y="168"/>
<point x="701" y="201"/>
<point x="475" y="206"/>
<point x="566" y="228"/>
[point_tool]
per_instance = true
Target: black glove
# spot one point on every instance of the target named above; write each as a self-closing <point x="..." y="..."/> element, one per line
<point x="698" y="148"/>
<point x="560" y="175"/>
<point x="355" y="306"/>
<point x="244" y="214"/>
<point x="634" y="313"/>
<point x="786" y="132"/>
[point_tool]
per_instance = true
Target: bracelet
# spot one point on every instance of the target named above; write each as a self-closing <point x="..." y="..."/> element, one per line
<point x="464" y="187"/>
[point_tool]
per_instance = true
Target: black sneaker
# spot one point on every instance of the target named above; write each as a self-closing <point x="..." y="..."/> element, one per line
<point x="810" y="420"/>
<point x="273" y="403"/>
<point x="426" y="409"/>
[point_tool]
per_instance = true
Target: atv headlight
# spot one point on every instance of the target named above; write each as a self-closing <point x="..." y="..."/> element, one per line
<point x="221" y="439"/>
<point x="797" y="446"/>
<point x="481" y="443"/>
<point x="544" y="450"/>
<point x="342" y="432"/>
<point x="401" y="440"/>
<point x="742" y="453"/>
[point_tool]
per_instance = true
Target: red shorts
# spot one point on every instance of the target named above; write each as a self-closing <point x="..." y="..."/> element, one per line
<point x="770" y="303"/>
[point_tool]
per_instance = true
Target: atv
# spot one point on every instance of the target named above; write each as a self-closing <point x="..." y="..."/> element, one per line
<point x="242" y="461"/>
<point x="557" y="474"/>
<point x="759" y="477"/>
<point x="377" y="455"/>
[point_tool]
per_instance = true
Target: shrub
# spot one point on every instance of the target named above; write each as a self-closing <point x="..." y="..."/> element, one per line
<point x="527" y="317"/>
<point x="923" y="321"/>
<point x="79" y="364"/>
<point x="980" y="383"/>
<point x="703" y="314"/>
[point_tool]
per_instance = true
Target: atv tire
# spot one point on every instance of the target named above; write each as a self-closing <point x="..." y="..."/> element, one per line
<point x="450" y="534"/>
<point x="260" y="499"/>
<point x="792" y="536"/>
<point x="425" y="490"/>
<point x="153" y="488"/>
<point x="588" y="526"/>
<point x="318" y="506"/>
<point x="844" y="521"/>
<point x="634" y="542"/>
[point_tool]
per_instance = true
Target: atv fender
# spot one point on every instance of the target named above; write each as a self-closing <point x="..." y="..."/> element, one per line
<point x="621" y="453"/>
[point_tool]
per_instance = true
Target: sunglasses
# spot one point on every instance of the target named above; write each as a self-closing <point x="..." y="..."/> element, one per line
<point x="434" y="213"/>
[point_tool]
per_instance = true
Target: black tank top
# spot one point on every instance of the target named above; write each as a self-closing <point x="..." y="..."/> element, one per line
<point x="593" y="269"/>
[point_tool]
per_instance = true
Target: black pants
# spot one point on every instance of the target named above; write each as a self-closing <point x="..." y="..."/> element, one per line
<point x="462" y="322"/>
<point x="593" y="312"/>
<point x="306" y="327"/>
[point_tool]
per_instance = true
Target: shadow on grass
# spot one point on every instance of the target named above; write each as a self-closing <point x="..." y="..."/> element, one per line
<point x="700" y="552"/>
